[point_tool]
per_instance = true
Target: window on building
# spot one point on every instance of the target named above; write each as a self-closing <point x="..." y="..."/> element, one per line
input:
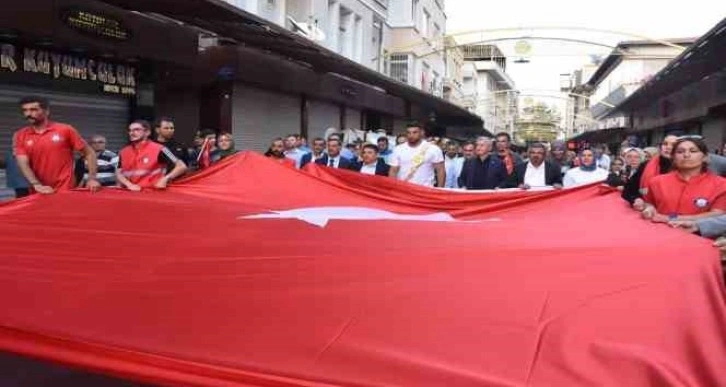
<point x="414" y="12"/>
<point x="357" y="48"/>
<point x="436" y="84"/>
<point x="332" y="30"/>
<point x="398" y="67"/>
<point x="377" y="43"/>
<point x="425" y="76"/>
<point x="425" y="21"/>
<point x="345" y="32"/>
<point x="437" y="31"/>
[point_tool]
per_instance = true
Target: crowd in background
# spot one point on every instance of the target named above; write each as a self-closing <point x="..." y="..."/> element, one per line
<point x="677" y="182"/>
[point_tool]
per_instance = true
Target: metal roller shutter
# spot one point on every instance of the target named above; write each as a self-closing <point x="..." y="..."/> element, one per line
<point x="89" y="114"/>
<point x="260" y="115"/>
<point x="352" y="119"/>
<point x="322" y="116"/>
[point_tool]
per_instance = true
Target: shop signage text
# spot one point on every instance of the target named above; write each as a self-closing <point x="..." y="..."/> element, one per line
<point x="95" y="24"/>
<point x="114" y="78"/>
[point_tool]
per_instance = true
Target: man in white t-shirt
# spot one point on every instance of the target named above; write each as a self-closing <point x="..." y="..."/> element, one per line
<point x="417" y="161"/>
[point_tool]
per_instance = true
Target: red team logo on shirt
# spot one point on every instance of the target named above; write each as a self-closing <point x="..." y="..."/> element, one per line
<point x="145" y="160"/>
<point x="29" y="143"/>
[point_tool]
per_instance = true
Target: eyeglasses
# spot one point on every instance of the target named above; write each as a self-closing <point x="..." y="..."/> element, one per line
<point x="136" y="129"/>
<point x="98" y="142"/>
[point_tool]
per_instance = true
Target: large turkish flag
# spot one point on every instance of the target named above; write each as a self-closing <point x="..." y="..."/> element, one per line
<point x="254" y="274"/>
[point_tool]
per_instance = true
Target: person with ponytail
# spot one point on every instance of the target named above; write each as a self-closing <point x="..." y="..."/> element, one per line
<point x="586" y="173"/>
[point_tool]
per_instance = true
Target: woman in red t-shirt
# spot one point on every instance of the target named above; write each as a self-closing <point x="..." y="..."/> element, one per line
<point x="690" y="191"/>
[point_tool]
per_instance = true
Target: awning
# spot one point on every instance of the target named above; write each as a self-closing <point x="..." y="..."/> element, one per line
<point x="701" y="59"/>
<point x="252" y="31"/>
<point x="598" y="136"/>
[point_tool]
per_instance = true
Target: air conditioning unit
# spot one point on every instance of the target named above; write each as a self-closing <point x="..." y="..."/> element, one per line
<point x="308" y="30"/>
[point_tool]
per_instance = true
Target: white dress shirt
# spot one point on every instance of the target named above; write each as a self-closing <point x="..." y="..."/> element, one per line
<point x="369" y="169"/>
<point x="535" y="176"/>
<point x="453" y="171"/>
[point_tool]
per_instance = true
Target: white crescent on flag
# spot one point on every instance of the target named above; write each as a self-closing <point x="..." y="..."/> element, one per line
<point x="320" y="216"/>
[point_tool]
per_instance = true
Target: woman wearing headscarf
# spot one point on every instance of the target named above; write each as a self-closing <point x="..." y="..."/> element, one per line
<point x="225" y="147"/>
<point x="586" y="173"/>
<point x="690" y="191"/>
<point x="650" y="152"/>
<point x="637" y="185"/>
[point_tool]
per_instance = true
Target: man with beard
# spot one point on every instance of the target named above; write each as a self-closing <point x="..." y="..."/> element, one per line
<point x="509" y="158"/>
<point x="318" y="152"/>
<point x="143" y="163"/>
<point x="537" y="172"/>
<point x="467" y="150"/>
<point x="165" y="129"/>
<point x="453" y="164"/>
<point x="417" y="161"/>
<point x="44" y="150"/>
<point x="277" y="152"/>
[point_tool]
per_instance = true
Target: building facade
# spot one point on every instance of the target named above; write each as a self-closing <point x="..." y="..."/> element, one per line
<point x="99" y="67"/>
<point x="416" y="53"/>
<point x="453" y="87"/>
<point x="355" y="29"/>
<point x="105" y="63"/>
<point x="488" y="89"/>
<point x="630" y="66"/>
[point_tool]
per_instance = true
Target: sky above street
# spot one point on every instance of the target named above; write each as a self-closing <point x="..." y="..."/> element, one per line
<point x="549" y="58"/>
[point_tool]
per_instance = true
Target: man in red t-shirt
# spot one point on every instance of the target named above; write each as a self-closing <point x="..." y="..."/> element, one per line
<point x="44" y="150"/>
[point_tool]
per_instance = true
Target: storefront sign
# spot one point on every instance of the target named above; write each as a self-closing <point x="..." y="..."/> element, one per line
<point x="96" y="24"/>
<point x="113" y="78"/>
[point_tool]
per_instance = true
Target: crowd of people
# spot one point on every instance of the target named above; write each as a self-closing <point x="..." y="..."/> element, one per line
<point x="680" y="182"/>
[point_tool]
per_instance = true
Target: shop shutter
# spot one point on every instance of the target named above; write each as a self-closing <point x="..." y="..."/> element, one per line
<point x="322" y="115"/>
<point x="261" y="115"/>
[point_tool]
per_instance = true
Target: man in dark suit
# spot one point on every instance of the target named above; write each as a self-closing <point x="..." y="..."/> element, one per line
<point x="318" y="151"/>
<point x="333" y="159"/>
<point x="372" y="164"/>
<point x="485" y="170"/>
<point x="536" y="172"/>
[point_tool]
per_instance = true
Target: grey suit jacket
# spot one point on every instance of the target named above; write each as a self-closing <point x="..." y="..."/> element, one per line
<point x="712" y="227"/>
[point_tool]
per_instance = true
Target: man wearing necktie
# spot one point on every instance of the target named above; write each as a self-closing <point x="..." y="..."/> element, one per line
<point x="333" y="159"/>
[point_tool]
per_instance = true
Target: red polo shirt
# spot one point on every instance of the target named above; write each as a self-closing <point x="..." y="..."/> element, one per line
<point x="671" y="195"/>
<point x="50" y="152"/>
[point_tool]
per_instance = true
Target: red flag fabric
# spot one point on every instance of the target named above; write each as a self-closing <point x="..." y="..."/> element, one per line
<point x="205" y="159"/>
<point x="281" y="277"/>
